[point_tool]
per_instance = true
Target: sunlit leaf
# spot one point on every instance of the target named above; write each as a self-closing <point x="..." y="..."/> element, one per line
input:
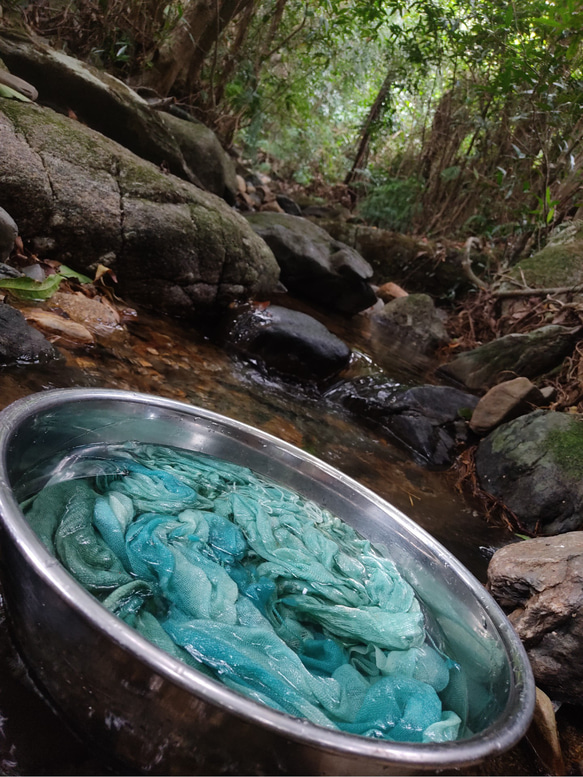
<point x="7" y="91"/>
<point x="27" y="288"/>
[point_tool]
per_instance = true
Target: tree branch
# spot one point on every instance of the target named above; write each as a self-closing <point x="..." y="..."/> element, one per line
<point x="527" y="292"/>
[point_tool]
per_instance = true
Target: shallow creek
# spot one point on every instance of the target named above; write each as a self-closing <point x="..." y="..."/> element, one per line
<point x="170" y="359"/>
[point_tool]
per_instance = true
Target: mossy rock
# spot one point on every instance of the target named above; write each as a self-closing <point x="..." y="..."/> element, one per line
<point x="413" y="321"/>
<point x="98" y="99"/>
<point x="205" y="156"/>
<point x="558" y="264"/>
<point x="534" y="465"/>
<point x="171" y="245"/>
<point x="515" y="355"/>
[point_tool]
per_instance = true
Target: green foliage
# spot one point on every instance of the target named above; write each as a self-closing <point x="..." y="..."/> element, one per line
<point x="482" y="114"/>
<point x="119" y="35"/>
<point x="546" y="209"/>
<point x="67" y="272"/>
<point x="29" y="289"/>
<point x="12" y="94"/>
<point x="393" y="204"/>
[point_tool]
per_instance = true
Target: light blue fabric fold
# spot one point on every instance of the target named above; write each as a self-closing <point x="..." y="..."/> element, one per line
<point x="253" y="585"/>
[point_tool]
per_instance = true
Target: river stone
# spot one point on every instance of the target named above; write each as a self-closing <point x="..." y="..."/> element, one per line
<point x="288" y="205"/>
<point x="313" y="265"/>
<point x="8" y="234"/>
<point x="289" y="342"/>
<point x="7" y="271"/>
<point x="504" y="402"/>
<point x="428" y="421"/>
<point x="172" y="246"/>
<point x="525" y="355"/>
<point x="539" y="583"/>
<point x="390" y="291"/>
<point x="534" y="465"/>
<point x="21" y="344"/>
<point x="414" y="321"/>
<point x="97" y="314"/>
<point x="205" y="156"/>
<point x="543" y="734"/>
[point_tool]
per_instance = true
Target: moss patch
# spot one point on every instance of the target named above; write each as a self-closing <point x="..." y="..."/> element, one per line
<point x="566" y="447"/>
<point x="50" y="132"/>
<point x="555" y="265"/>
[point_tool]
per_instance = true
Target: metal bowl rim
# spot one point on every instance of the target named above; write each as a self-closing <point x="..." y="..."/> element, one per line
<point x="508" y="728"/>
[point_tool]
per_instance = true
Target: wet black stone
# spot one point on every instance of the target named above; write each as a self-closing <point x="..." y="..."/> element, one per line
<point x="289" y="342"/>
<point x="429" y="421"/>
<point x="288" y="205"/>
<point x="20" y="344"/>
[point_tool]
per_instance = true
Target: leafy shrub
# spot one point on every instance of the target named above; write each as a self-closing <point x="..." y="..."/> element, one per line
<point x="392" y="204"/>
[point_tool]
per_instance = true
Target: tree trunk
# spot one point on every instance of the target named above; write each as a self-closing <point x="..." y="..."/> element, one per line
<point x="178" y="48"/>
<point x="225" y="11"/>
<point x="185" y="50"/>
<point x="231" y="59"/>
<point x="373" y="115"/>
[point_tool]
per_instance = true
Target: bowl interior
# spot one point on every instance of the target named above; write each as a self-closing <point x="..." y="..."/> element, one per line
<point x="493" y="693"/>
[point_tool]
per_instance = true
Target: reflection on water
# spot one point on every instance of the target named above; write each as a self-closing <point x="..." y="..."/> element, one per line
<point x="168" y="358"/>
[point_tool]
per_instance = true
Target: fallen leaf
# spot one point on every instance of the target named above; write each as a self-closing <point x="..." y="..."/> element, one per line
<point x="102" y="270"/>
<point x="58" y="328"/>
<point x="27" y="288"/>
<point x="8" y="92"/>
<point x="67" y="272"/>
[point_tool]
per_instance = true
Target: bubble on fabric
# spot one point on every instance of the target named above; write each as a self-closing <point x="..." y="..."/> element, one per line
<point x="253" y="585"/>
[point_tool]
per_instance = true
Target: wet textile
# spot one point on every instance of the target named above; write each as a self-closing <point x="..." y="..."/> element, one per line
<point x="252" y="584"/>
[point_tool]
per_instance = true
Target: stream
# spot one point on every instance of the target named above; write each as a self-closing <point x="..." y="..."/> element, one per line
<point x="170" y="359"/>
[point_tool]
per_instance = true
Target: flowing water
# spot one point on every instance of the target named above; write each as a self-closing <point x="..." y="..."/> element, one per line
<point x="170" y="359"/>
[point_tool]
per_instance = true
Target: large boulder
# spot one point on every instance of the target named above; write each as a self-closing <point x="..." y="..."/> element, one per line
<point x="539" y="583"/>
<point x="313" y="265"/>
<point x="188" y="149"/>
<point x="290" y="342"/>
<point x="20" y="344"/>
<point x="523" y="355"/>
<point x="534" y="466"/>
<point x="205" y="156"/>
<point x="414" y="322"/>
<point x="428" y="421"/>
<point x="86" y="200"/>
<point x="98" y="99"/>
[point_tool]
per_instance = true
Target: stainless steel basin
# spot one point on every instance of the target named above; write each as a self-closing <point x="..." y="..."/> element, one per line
<point x="151" y="712"/>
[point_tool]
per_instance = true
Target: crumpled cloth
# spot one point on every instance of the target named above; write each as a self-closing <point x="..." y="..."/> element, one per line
<point x="252" y="584"/>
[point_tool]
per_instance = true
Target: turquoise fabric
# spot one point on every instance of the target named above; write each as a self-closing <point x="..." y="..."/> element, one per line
<point x="252" y="584"/>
